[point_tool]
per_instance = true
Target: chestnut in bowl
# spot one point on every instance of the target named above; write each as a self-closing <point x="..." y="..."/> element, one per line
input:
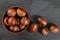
<point x="14" y="28"/>
<point x="21" y="26"/>
<point x="13" y="19"/>
<point x="21" y="12"/>
<point x="6" y="21"/>
<point x="11" y="12"/>
<point x="24" y="21"/>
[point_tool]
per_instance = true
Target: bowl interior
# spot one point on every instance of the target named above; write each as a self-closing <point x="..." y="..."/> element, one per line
<point x="5" y="15"/>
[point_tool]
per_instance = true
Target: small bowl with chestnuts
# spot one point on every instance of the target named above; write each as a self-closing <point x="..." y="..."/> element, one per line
<point x="16" y="19"/>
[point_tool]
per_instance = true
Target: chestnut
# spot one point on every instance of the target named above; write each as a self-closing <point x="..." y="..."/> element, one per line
<point x="18" y="21"/>
<point x="44" y="31"/>
<point x="5" y="21"/>
<point x="11" y="28"/>
<point x="11" y="12"/>
<point x="33" y="27"/>
<point x="21" y="12"/>
<point x="21" y="26"/>
<point x="25" y="21"/>
<point x="42" y="21"/>
<point x="54" y="28"/>
<point x="12" y="21"/>
<point x="14" y="28"/>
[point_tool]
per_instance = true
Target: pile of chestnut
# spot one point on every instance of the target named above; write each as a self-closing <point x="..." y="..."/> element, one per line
<point x="43" y="28"/>
<point x="16" y="19"/>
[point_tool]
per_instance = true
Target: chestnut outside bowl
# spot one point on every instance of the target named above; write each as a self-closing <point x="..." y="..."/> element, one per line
<point x="5" y="16"/>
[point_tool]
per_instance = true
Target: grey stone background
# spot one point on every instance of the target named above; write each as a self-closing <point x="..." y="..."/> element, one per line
<point x="50" y="9"/>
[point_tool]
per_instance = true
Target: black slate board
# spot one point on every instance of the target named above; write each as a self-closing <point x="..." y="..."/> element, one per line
<point x="50" y="9"/>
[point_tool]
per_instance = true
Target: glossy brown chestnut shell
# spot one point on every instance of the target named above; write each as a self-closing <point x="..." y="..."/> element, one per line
<point x="6" y="21"/>
<point x="21" y="12"/>
<point x="44" y="31"/>
<point x="11" y="12"/>
<point x="54" y="28"/>
<point x="12" y="21"/>
<point x="21" y="26"/>
<point x="42" y="21"/>
<point x="15" y="17"/>
<point x="25" y="21"/>
<point x="33" y="27"/>
<point x="14" y="28"/>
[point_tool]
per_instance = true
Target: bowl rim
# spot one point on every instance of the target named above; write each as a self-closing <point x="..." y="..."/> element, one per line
<point x="23" y="29"/>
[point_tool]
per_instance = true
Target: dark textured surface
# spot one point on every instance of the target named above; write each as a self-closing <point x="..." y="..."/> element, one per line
<point x="50" y="9"/>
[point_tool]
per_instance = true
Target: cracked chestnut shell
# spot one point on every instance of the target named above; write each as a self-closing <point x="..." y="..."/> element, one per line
<point x="54" y="28"/>
<point x="42" y="21"/>
<point x="44" y="31"/>
<point x="25" y="21"/>
<point x="12" y="21"/>
<point x="33" y="27"/>
<point x="11" y="12"/>
<point x="21" y="12"/>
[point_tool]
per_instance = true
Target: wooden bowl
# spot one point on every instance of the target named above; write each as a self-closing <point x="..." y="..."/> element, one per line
<point x="5" y="15"/>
